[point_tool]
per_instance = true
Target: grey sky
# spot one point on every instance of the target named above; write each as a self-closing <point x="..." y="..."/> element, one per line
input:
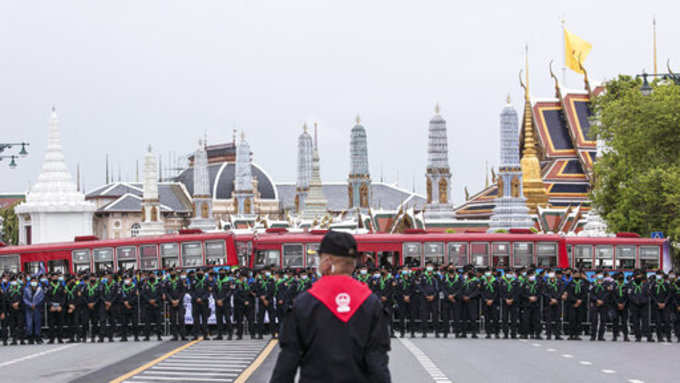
<point x="125" y="74"/>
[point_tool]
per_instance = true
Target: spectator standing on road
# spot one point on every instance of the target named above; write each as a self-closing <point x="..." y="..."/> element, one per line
<point x="335" y="332"/>
<point x="33" y="299"/>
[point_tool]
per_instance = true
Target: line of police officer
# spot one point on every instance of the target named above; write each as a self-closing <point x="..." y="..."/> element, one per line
<point x="102" y="305"/>
<point x="525" y="303"/>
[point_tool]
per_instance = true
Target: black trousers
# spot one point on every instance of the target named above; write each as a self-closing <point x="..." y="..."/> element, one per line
<point x="490" y="317"/>
<point x="200" y="313"/>
<point x="223" y="318"/>
<point x="450" y="316"/>
<point x="261" y="310"/>
<point x="16" y="322"/>
<point x="152" y="317"/>
<point x="407" y="310"/>
<point x="127" y="318"/>
<point x="430" y="309"/>
<point x="55" y="321"/>
<point x="639" y="318"/>
<point x="177" y="320"/>
<point x="280" y="314"/>
<point x="247" y="311"/>
<point x="662" y="321"/>
<point x="88" y="317"/>
<point x="107" y="321"/>
<point x="621" y="322"/>
<point x="531" y="320"/>
<point x="551" y="316"/>
<point x="510" y="318"/>
<point x="598" y="320"/>
<point x="575" y="319"/>
<point x="470" y="315"/>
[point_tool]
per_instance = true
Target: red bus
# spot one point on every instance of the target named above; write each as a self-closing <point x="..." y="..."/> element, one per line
<point x="622" y="253"/>
<point x="145" y="253"/>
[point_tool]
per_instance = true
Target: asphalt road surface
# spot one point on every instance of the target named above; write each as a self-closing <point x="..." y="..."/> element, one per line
<point x="411" y="360"/>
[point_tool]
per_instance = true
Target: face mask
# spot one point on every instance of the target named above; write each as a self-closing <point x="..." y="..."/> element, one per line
<point x="43" y="280"/>
<point x="363" y="272"/>
<point x="532" y="278"/>
<point x="127" y="281"/>
<point x="376" y="275"/>
<point x="183" y="277"/>
<point x="524" y="274"/>
<point x="13" y="283"/>
<point x="600" y="276"/>
<point x="429" y="268"/>
<point x="34" y="284"/>
<point x="671" y="276"/>
<point x="304" y="277"/>
<point x="465" y="276"/>
<point x="487" y="274"/>
<point x="268" y="274"/>
<point x="551" y="275"/>
<point x="60" y="279"/>
<point x="404" y="272"/>
<point x="28" y="279"/>
<point x="104" y="280"/>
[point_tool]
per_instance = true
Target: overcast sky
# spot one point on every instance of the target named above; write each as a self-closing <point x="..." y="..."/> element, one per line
<point x="126" y="74"/>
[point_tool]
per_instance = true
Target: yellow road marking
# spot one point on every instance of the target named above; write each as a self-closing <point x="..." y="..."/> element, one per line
<point x="256" y="364"/>
<point x="155" y="361"/>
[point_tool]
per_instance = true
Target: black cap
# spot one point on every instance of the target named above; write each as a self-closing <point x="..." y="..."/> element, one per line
<point x="338" y="243"/>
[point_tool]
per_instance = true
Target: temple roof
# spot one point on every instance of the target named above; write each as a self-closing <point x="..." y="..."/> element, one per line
<point x="127" y="197"/>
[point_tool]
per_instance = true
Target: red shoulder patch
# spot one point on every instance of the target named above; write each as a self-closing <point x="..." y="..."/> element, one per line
<point x="341" y="294"/>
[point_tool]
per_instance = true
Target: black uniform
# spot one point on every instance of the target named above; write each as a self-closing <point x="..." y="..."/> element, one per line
<point x="531" y="311"/>
<point x="675" y="292"/>
<point x="471" y="290"/>
<point x="89" y="305"/>
<point x="619" y="299"/>
<point x="222" y="293"/>
<point x="200" y="294"/>
<point x="244" y="302"/>
<point x="638" y="300"/>
<point x="429" y="286"/>
<point x="3" y="316"/>
<point x="509" y="291"/>
<point x="108" y="309"/>
<point x="55" y="298"/>
<point x="175" y="289"/>
<point x="385" y="291"/>
<point x="660" y="294"/>
<point x="283" y="290"/>
<point x="600" y="292"/>
<point x="264" y="289"/>
<point x="16" y="318"/>
<point x="152" y="299"/>
<point x="552" y="307"/>
<point x="127" y="317"/>
<point x="330" y="344"/>
<point x="577" y="293"/>
<point x="451" y="304"/>
<point x="71" y="313"/>
<point x="490" y="293"/>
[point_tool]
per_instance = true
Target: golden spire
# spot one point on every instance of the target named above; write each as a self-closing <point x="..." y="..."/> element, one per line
<point x="304" y="127"/>
<point x="436" y="108"/>
<point x="654" y="27"/>
<point x="486" y="173"/>
<point x="507" y="99"/>
<point x="534" y="190"/>
<point x="358" y="119"/>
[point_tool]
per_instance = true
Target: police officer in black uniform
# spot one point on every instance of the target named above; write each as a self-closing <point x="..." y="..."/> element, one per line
<point x="127" y="317"/>
<point x="469" y="293"/>
<point x="264" y="290"/>
<point x="429" y="286"/>
<point x="660" y="294"/>
<point x="152" y="300"/>
<point x="200" y="294"/>
<point x="222" y="293"/>
<point x="108" y="307"/>
<point x="244" y="302"/>
<point x="638" y="299"/>
<point x="89" y="308"/>
<point x="16" y="317"/>
<point x="71" y="313"/>
<point x="530" y="302"/>
<point x="451" y="284"/>
<point x="552" y="305"/>
<point x="55" y="298"/>
<point x="619" y="299"/>
<point x="489" y="296"/>
<point x="577" y="295"/>
<point x="509" y="291"/>
<point x="175" y="289"/>
<point x="282" y="291"/>
<point x="600" y="296"/>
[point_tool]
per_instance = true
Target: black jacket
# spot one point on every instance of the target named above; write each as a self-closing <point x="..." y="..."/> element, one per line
<point x="316" y="337"/>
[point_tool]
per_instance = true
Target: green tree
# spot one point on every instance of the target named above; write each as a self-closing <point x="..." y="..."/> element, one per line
<point x="637" y="180"/>
<point x="10" y="225"/>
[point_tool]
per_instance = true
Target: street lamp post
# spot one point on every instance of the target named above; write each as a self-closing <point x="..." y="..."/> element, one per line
<point x="646" y="89"/>
<point x="12" y="157"/>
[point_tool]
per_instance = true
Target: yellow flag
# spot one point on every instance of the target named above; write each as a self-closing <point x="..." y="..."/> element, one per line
<point x="575" y="50"/>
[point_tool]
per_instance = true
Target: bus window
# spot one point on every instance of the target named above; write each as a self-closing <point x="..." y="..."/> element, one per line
<point x="215" y="253"/>
<point x="500" y="252"/>
<point x="32" y="267"/>
<point x="81" y="260"/>
<point x="412" y="254"/>
<point x="292" y="255"/>
<point x="312" y="255"/>
<point x="170" y="255"/>
<point x="625" y="257"/>
<point x="126" y="257"/>
<point x="570" y="256"/>
<point x="58" y="266"/>
<point x="523" y="254"/>
<point x="583" y="256"/>
<point x="103" y="259"/>
<point x="649" y="257"/>
<point x="479" y="254"/>
<point x="9" y="263"/>
<point x="604" y="257"/>
<point x="434" y="252"/>
<point x="243" y="251"/>
<point x="458" y="254"/>
<point x="546" y="254"/>
<point x="192" y="254"/>
<point x="267" y="258"/>
<point x="148" y="255"/>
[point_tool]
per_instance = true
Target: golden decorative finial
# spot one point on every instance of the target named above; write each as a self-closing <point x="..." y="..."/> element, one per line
<point x="243" y="135"/>
<point x="304" y="127"/>
<point x="585" y="78"/>
<point x="654" y="27"/>
<point x="526" y="65"/>
<point x="508" y="100"/>
<point x="558" y="93"/>
<point x="436" y="108"/>
<point x="358" y="119"/>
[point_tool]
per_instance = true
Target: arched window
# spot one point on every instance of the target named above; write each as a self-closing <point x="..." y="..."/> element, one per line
<point x="134" y="229"/>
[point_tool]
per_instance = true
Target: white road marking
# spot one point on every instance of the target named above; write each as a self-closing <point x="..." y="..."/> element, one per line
<point x="202" y="366"/>
<point x="523" y="340"/>
<point x="608" y="371"/>
<point x="635" y="381"/>
<point x="36" y="355"/>
<point x="586" y="363"/>
<point x="551" y="350"/>
<point x="536" y="344"/>
<point x="187" y="373"/>
<point x="435" y="373"/>
<point x="568" y="356"/>
<point x="181" y="379"/>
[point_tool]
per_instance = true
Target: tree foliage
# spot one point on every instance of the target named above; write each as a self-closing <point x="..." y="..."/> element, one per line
<point x="637" y="180"/>
<point x="10" y="225"/>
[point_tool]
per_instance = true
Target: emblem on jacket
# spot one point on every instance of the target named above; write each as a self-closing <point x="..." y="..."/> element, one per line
<point x="342" y="300"/>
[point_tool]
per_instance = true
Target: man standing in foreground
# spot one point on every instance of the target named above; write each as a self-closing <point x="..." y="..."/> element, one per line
<point x="336" y="332"/>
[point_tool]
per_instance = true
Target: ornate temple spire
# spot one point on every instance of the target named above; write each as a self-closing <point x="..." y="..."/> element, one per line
<point x="316" y="205"/>
<point x="202" y="200"/>
<point x="438" y="172"/>
<point x="534" y="190"/>
<point x="359" y="178"/>
<point x="244" y="177"/>
<point x="150" y="176"/>
<point x="152" y="223"/>
<point x="304" y="159"/>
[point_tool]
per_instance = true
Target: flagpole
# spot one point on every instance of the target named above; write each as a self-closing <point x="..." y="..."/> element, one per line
<point x="564" y="56"/>
<point x="654" y="27"/>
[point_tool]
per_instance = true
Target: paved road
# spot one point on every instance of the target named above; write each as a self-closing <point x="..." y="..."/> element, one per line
<point x="411" y="360"/>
